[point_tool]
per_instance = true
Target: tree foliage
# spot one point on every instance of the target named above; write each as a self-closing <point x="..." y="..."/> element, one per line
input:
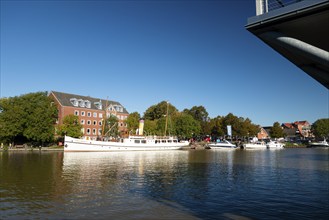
<point x="31" y="116"/>
<point x="199" y="113"/>
<point x="133" y="121"/>
<point x="276" y="130"/>
<point x="111" y="127"/>
<point x="159" y="111"/>
<point x="70" y="127"/>
<point x="185" y="126"/>
<point x="321" y="128"/>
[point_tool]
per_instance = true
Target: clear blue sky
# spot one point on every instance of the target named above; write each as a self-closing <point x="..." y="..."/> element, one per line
<point x="140" y="53"/>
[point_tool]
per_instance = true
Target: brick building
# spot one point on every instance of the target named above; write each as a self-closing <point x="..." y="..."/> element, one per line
<point x="91" y="112"/>
<point x="297" y="130"/>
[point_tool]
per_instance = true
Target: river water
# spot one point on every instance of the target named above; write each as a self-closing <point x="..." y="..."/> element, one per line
<point x="188" y="184"/>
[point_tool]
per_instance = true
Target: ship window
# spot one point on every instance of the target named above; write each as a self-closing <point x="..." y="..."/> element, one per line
<point x="169" y="141"/>
<point x="144" y="141"/>
<point x="137" y="141"/>
<point x="163" y="141"/>
<point x="175" y="141"/>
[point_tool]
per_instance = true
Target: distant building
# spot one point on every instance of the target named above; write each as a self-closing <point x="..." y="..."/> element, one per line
<point x="263" y="133"/>
<point x="91" y="112"/>
<point x="297" y="130"/>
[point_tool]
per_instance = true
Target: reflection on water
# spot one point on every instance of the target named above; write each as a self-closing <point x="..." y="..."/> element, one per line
<point x="194" y="184"/>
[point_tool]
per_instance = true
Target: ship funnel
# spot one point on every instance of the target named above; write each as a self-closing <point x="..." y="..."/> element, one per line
<point x="141" y="127"/>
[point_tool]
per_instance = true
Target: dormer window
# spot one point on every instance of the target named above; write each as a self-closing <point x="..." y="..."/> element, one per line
<point x="74" y="101"/>
<point x="88" y="104"/>
<point x="81" y="103"/>
<point x="98" y="105"/>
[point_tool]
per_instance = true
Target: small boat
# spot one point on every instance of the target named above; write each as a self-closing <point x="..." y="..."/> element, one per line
<point x="132" y="143"/>
<point x="274" y="145"/>
<point x="255" y="145"/>
<point x="323" y="143"/>
<point x="222" y="145"/>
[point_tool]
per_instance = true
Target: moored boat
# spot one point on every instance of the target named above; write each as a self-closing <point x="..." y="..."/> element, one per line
<point x="132" y="143"/>
<point x="224" y="144"/>
<point x="255" y="145"/>
<point x="274" y="145"/>
<point x="323" y="143"/>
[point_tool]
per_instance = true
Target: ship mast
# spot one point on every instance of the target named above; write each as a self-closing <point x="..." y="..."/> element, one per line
<point x="167" y="119"/>
<point x="104" y="117"/>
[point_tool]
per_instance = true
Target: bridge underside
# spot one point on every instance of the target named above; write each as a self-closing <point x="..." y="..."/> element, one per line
<point x="299" y="32"/>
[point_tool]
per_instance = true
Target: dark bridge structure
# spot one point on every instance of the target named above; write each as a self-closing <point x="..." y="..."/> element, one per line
<point x="298" y="30"/>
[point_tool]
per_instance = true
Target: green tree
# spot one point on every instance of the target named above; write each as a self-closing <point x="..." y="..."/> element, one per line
<point x="70" y="127"/>
<point x="111" y="127"/>
<point x="199" y="113"/>
<point x="40" y="118"/>
<point x="150" y="127"/>
<point x="12" y="119"/>
<point x="31" y="116"/>
<point x="216" y="127"/>
<point x="186" y="126"/>
<point x="133" y="121"/>
<point x="276" y="131"/>
<point x="232" y="120"/>
<point x="321" y="128"/>
<point x="159" y="111"/>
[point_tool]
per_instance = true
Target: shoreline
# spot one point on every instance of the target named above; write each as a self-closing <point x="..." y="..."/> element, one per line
<point x="33" y="149"/>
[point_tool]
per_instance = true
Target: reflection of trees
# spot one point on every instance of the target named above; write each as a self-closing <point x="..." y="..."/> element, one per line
<point x="31" y="176"/>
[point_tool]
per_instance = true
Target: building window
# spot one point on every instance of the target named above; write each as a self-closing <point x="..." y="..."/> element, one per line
<point x="81" y="103"/>
<point x="88" y="122"/>
<point x="82" y="122"/>
<point x="94" y="131"/>
<point x="83" y="130"/>
<point x="74" y="101"/>
<point x="95" y="122"/>
<point x="89" y="114"/>
<point x="88" y="130"/>
<point x="95" y="114"/>
<point x="99" y="131"/>
<point x="87" y="103"/>
<point x="82" y="113"/>
<point x="100" y="115"/>
<point x="76" y="112"/>
<point x="100" y="122"/>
